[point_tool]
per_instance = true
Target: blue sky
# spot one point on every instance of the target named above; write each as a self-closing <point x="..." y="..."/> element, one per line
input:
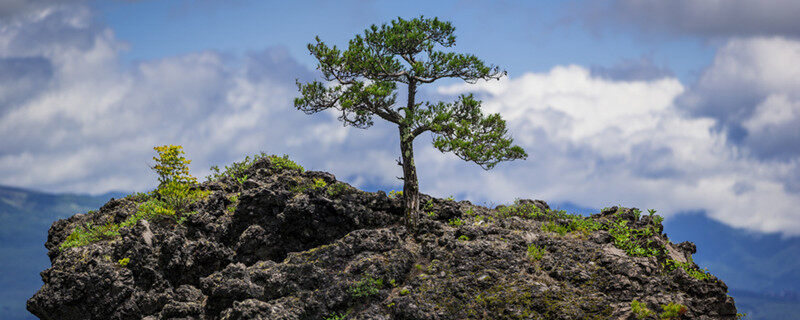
<point x="674" y="105"/>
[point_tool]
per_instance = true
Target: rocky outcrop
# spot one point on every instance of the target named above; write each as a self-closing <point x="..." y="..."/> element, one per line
<point x="286" y="244"/>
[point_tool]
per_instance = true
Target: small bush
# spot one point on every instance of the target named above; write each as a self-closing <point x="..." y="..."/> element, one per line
<point x="366" y="287"/>
<point x="171" y="166"/>
<point x="123" y="262"/>
<point x="455" y="222"/>
<point x="87" y="234"/>
<point x="171" y="200"/>
<point x="284" y="163"/>
<point x="395" y="194"/>
<point x="337" y="189"/>
<point x="635" y="242"/>
<point x="640" y="310"/>
<point x="535" y="253"/>
<point x="463" y="238"/>
<point x="690" y="268"/>
<point x="672" y="311"/>
<point x="319" y="184"/>
<point x="335" y="316"/>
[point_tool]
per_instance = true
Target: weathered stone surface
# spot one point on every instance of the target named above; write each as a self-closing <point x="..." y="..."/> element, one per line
<point x="286" y="252"/>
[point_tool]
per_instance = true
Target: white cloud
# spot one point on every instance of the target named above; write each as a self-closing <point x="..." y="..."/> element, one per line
<point x="598" y="142"/>
<point x="752" y="89"/>
<point x="92" y="125"/>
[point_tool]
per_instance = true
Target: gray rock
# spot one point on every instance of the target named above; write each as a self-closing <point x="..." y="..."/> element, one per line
<point x="287" y="253"/>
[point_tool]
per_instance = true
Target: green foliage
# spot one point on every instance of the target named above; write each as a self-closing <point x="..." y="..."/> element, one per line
<point x="404" y="292"/>
<point x="171" y="200"/>
<point x="319" y="184"/>
<point x="363" y="84"/>
<point x="366" y="287"/>
<point x="635" y="242"/>
<point x="236" y="171"/>
<point x="640" y="310"/>
<point x="395" y="194"/>
<point x="178" y="196"/>
<point x="337" y="189"/>
<point x="315" y="184"/>
<point x="637" y="213"/>
<point x="526" y="210"/>
<point x="455" y="222"/>
<point x="284" y="163"/>
<point x="123" y="262"/>
<point x="463" y="238"/>
<point x="234" y="203"/>
<point x="555" y="227"/>
<point x="335" y="316"/>
<point x="84" y="235"/>
<point x="672" y="311"/>
<point x="535" y="252"/>
<point x="689" y="267"/>
<point x="171" y="166"/>
<point x="574" y="224"/>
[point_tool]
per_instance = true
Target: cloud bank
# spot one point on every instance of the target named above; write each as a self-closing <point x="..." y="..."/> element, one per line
<point x="711" y="18"/>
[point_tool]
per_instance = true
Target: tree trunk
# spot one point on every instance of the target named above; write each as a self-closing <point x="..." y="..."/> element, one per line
<point x="410" y="183"/>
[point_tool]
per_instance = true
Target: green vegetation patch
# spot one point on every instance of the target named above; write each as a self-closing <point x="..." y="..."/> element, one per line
<point x="672" y="311"/>
<point x="635" y="242"/>
<point x="535" y="252"/>
<point x="366" y="287"/>
<point x="640" y="310"/>
<point x="690" y="268"/>
<point x="171" y="200"/>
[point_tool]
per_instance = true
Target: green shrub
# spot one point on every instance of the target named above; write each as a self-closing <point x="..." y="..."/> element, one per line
<point x="171" y="166"/>
<point x="395" y="194"/>
<point x="635" y="242"/>
<point x="526" y="210"/>
<point x="535" y="253"/>
<point x="463" y="238"/>
<point x="672" y="311"/>
<point x="284" y="163"/>
<point x="335" y="316"/>
<point x="337" y="189"/>
<point x="455" y="222"/>
<point x="366" y="287"/>
<point x="123" y="262"/>
<point x="555" y="227"/>
<point x="87" y="234"/>
<point x="689" y="267"/>
<point x="640" y="310"/>
<point x="175" y="193"/>
<point x="319" y="184"/>
<point x="236" y="170"/>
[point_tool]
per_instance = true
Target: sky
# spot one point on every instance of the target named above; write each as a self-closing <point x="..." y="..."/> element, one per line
<point x="680" y="106"/>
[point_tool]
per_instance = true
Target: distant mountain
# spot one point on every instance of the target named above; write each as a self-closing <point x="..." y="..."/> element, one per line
<point x="761" y="270"/>
<point x="25" y="217"/>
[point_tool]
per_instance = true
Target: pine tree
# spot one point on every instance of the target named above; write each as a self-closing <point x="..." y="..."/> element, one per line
<point x="364" y="83"/>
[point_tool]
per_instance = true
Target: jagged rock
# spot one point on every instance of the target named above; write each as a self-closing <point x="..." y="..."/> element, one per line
<point x="269" y="247"/>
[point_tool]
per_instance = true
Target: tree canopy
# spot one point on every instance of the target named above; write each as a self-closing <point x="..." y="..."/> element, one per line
<point x="362" y="82"/>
